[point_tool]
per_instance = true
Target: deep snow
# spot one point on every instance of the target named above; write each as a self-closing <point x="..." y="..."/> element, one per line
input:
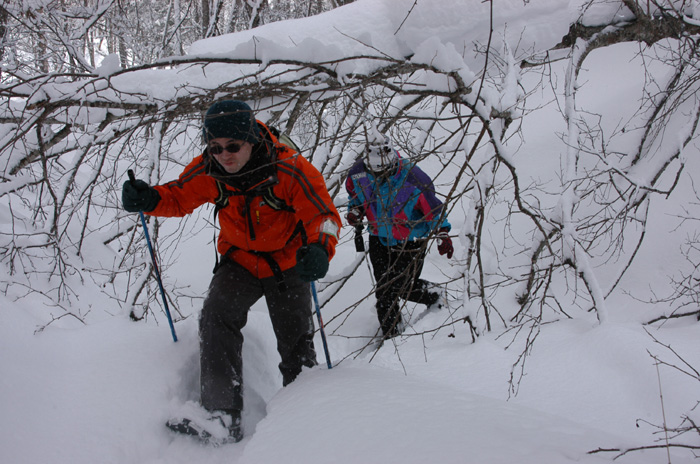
<point x="102" y="393"/>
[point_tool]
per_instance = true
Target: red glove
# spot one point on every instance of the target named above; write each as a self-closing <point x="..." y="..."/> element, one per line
<point x="445" y="243"/>
<point x="354" y="217"/>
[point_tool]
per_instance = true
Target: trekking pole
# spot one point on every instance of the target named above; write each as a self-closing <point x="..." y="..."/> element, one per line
<point x="320" y="325"/>
<point x="132" y="178"/>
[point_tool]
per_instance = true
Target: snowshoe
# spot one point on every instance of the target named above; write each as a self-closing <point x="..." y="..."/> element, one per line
<point x="438" y="301"/>
<point x="219" y="429"/>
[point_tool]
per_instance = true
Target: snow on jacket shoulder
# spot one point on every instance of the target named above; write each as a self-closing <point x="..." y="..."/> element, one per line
<point x="260" y="220"/>
<point x="400" y="208"/>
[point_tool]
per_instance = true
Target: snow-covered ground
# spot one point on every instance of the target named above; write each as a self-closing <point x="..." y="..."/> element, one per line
<point x="101" y="393"/>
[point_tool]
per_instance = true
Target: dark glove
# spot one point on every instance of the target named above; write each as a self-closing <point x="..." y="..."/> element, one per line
<point x="312" y="262"/>
<point x="354" y="217"/>
<point x="137" y="196"/>
<point x="445" y="243"/>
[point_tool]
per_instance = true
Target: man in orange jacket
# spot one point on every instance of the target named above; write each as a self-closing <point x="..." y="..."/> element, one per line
<point x="279" y="229"/>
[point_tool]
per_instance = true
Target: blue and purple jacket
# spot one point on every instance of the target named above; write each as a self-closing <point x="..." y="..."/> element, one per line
<point x="401" y="208"/>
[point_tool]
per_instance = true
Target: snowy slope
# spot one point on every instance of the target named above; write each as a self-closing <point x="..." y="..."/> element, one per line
<point x="102" y="393"/>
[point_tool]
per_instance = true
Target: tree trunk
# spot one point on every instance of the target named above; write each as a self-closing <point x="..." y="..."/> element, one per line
<point x="205" y="17"/>
<point x="3" y="33"/>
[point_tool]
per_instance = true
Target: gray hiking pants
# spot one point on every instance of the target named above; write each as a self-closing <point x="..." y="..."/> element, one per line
<point x="232" y="291"/>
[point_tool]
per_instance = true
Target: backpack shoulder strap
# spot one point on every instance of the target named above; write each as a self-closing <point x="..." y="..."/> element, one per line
<point x="222" y="199"/>
<point x="275" y="202"/>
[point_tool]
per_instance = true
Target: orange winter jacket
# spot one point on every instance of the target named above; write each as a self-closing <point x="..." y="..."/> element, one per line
<point x="267" y="210"/>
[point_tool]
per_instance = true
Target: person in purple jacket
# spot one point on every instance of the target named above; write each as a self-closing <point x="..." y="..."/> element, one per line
<point x="398" y="199"/>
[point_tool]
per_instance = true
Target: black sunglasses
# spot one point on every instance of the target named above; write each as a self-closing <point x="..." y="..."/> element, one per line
<point x="231" y="148"/>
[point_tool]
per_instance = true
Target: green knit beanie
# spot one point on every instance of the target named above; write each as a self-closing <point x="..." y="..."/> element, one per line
<point x="231" y="119"/>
